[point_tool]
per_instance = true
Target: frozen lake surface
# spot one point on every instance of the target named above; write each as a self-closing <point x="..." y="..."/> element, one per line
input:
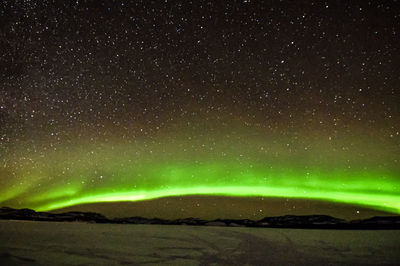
<point x="53" y="243"/>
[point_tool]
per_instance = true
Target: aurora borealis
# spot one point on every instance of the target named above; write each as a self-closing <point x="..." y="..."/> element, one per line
<point x="134" y="172"/>
<point x="132" y="101"/>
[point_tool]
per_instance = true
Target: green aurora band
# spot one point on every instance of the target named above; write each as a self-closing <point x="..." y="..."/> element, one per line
<point x="135" y="171"/>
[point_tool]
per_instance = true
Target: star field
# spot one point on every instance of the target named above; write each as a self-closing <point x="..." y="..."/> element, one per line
<point x="132" y="100"/>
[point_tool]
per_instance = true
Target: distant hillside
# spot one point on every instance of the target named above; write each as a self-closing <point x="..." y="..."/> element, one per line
<point x="286" y="221"/>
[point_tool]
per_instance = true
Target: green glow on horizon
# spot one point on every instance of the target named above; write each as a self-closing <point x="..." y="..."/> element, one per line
<point x="385" y="202"/>
<point x="363" y="188"/>
<point x="129" y="172"/>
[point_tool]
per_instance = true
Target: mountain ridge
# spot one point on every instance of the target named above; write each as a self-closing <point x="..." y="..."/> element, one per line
<point x="316" y="221"/>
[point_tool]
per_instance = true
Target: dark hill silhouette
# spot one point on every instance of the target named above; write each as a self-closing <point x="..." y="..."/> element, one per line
<point x="287" y="221"/>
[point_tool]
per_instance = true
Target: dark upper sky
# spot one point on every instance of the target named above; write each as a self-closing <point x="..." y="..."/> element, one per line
<point x="95" y="63"/>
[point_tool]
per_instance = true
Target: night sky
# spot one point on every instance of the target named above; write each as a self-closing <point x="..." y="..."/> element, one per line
<point x="112" y="101"/>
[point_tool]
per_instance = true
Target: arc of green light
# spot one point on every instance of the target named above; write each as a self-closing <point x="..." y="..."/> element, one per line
<point x="385" y="202"/>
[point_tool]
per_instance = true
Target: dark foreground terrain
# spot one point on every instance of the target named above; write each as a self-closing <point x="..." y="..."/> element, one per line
<point x="62" y="243"/>
<point x="286" y="221"/>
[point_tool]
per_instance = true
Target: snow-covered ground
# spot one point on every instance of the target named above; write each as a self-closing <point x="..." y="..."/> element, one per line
<point x="53" y="243"/>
